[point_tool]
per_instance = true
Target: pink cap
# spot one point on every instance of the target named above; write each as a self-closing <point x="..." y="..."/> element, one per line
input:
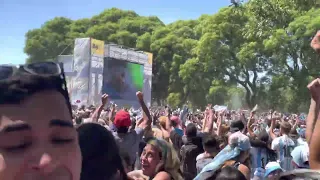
<point x="175" y="119"/>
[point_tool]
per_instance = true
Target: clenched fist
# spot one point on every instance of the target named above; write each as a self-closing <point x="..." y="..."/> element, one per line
<point x="315" y="43"/>
<point x="314" y="88"/>
<point x="104" y="99"/>
<point x="139" y="96"/>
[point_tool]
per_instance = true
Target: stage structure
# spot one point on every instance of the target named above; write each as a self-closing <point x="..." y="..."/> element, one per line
<point x="67" y="61"/>
<point x="98" y="68"/>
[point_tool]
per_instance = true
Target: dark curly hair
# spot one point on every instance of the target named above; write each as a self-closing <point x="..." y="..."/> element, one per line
<point x="15" y="89"/>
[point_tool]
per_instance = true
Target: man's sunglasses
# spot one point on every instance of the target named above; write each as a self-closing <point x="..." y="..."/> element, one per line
<point x="41" y="68"/>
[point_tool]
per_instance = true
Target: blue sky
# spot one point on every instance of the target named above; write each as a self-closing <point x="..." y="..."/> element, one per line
<point x="19" y="16"/>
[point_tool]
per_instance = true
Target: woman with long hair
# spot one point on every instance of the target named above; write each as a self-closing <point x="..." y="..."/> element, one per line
<point x="159" y="161"/>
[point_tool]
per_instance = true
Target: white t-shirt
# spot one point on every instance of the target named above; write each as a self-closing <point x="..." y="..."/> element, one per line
<point x="284" y="145"/>
<point x="301" y="141"/>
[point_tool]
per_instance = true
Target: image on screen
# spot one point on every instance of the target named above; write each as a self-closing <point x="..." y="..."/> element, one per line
<point x="122" y="79"/>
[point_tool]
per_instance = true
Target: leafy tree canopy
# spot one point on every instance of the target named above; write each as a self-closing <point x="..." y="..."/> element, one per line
<point x="255" y="53"/>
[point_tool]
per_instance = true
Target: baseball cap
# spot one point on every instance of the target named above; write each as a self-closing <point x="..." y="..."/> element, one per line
<point x="300" y="156"/>
<point x="272" y="166"/>
<point x="122" y="119"/>
<point x="236" y="125"/>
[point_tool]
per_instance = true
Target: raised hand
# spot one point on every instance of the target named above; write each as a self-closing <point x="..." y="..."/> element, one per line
<point x="253" y="111"/>
<point x="167" y="111"/>
<point x="104" y="99"/>
<point x="208" y="108"/>
<point x="315" y="43"/>
<point x="314" y="88"/>
<point x="139" y="95"/>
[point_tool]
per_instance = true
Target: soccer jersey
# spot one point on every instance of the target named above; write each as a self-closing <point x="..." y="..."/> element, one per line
<point x="284" y="145"/>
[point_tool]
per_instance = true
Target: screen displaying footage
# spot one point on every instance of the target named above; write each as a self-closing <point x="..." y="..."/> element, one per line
<point x="122" y="79"/>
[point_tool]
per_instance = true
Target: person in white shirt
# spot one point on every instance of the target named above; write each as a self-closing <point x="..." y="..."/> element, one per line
<point x="283" y="145"/>
<point x="261" y="154"/>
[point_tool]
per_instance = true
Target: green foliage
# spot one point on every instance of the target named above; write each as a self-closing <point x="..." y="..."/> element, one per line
<point x="49" y="41"/>
<point x="174" y="99"/>
<point x="257" y="53"/>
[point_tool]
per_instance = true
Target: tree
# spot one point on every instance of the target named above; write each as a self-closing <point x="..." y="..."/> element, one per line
<point x="291" y="48"/>
<point x="172" y="47"/>
<point x="174" y="99"/>
<point x="226" y="50"/>
<point x="144" y="42"/>
<point x="286" y="27"/>
<point x="254" y="53"/>
<point x="49" y="41"/>
<point x="78" y="28"/>
<point x="56" y="36"/>
<point x="196" y="82"/>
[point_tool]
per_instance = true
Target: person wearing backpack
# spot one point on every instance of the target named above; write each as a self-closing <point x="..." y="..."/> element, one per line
<point x="189" y="152"/>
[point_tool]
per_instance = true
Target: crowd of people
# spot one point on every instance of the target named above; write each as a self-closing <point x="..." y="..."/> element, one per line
<point x="43" y="136"/>
<point x="159" y="143"/>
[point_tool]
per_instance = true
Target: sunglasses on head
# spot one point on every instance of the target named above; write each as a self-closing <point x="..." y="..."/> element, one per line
<point x="41" y="69"/>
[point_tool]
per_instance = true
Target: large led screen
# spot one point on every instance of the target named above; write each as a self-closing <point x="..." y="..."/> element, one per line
<point x="122" y="79"/>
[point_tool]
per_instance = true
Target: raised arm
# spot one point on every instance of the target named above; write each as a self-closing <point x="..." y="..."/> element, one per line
<point x="96" y="115"/>
<point x="219" y="124"/>
<point x="205" y="118"/>
<point x="209" y="124"/>
<point x="249" y="125"/>
<point x="168" y="121"/>
<point x="111" y="114"/>
<point x="313" y="125"/>
<point x="147" y="120"/>
<point x="243" y="119"/>
<point x="204" y="121"/>
<point x="183" y="115"/>
<point x="314" y="106"/>
<point x="272" y="127"/>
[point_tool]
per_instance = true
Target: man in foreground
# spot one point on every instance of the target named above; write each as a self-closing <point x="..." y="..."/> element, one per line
<point x="37" y="137"/>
